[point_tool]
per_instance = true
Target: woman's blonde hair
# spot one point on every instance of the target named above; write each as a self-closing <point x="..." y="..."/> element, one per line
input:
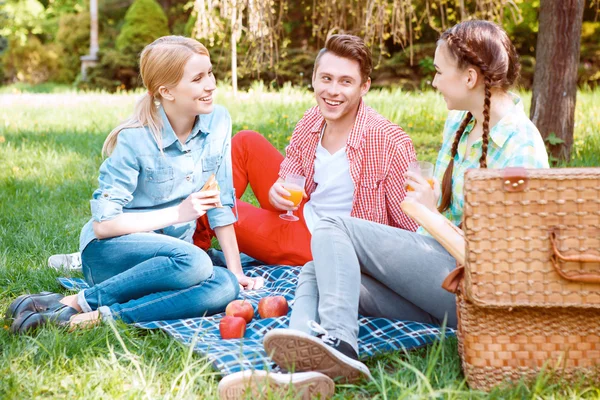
<point x="161" y="64"/>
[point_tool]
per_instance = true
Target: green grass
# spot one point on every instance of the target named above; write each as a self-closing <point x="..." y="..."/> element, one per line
<point x="49" y="158"/>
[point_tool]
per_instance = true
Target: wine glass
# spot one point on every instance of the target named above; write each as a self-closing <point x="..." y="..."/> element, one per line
<point x="295" y="185"/>
<point x="423" y="168"/>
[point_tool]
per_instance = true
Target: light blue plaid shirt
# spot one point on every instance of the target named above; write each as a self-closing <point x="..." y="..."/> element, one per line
<point x="514" y="142"/>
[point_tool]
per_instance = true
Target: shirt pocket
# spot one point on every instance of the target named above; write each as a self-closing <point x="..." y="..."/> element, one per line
<point x="159" y="182"/>
<point x="211" y="163"/>
<point x="371" y="194"/>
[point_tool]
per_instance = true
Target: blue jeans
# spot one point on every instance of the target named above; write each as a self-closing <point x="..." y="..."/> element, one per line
<point x="148" y="277"/>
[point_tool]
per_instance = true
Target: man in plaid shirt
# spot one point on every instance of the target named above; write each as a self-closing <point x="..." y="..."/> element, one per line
<point x="353" y="160"/>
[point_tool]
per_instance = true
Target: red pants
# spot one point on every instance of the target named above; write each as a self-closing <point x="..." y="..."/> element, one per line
<point x="260" y="232"/>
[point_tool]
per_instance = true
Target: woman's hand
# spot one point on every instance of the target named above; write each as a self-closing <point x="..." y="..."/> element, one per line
<point x="197" y="204"/>
<point x="422" y="191"/>
<point x="248" y="283"/>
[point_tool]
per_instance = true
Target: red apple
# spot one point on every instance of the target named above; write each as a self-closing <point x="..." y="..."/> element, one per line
<point x="272" y="306"/>
<point x="240" y="308"/>
<point x="232" y="327"/>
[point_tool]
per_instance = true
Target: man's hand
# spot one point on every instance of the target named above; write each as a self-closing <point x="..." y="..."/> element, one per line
<point x="277" y="198"/>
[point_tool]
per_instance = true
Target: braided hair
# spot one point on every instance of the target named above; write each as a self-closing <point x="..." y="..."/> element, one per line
<point x="486" y="46"/>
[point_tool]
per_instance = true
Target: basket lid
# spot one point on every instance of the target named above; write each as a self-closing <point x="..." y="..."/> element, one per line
<point x="533" y="237"/>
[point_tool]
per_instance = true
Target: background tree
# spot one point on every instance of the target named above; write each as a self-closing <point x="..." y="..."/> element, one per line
<point x="145" y="22"/>
<point x="3" y="40"/>
<point x="73" y="40"/>
<point x="555" y="79"/>
<point x="402" y="22"/>
<point x="26" y="57"/>
<point x="276" y="49"/>
<point x="258" y="21"/>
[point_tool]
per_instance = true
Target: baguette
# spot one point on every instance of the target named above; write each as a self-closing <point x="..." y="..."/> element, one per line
<point x="438" y="226"/>
<point x="212" y="184"/>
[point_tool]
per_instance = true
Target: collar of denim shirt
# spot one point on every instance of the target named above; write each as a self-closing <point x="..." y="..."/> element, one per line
<point x="169" y="137"/>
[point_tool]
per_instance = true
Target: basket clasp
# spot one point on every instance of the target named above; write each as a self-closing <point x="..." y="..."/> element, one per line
<point x="515" y="179"/>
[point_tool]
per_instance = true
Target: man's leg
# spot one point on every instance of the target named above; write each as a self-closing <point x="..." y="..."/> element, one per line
<point x="411" y="265"/>
<point x="306" y="300"/>
<point x="255" y="161"/>
<point x="377" y="300"/>
<point x="261" y="234"/>
<point x="335" y="272"/>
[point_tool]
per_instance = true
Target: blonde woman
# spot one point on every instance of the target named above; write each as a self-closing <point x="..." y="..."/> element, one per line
<point x="137" y="251"/>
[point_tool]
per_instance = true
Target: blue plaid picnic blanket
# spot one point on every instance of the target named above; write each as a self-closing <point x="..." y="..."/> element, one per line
<point x="376" y="335"/>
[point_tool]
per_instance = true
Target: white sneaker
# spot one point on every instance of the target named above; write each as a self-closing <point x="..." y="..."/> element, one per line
<point x="65" y="262"/>
<point x="260" y="384"/>
<point x="297" y="351"/>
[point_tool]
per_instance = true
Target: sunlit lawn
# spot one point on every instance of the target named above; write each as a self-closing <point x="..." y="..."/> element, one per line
<point x="49" y="157"/>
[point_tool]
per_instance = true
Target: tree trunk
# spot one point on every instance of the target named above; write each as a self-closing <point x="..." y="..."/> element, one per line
<point x="555" y="79"/>
<point x="94" y="28"/>
<point x="234" y="35"/>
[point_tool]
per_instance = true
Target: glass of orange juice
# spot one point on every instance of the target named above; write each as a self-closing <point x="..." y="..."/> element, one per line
<point x="423" y="168"/>
<point x="295" y="185"/>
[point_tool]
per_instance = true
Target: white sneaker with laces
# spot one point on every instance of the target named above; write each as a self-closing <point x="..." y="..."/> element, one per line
<point x="65" y="262"/>
<point x="260" y="384"/>
<point x="298" y="351"/>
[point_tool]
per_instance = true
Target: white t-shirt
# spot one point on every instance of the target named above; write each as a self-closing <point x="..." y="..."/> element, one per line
<point x="335" y="189"/>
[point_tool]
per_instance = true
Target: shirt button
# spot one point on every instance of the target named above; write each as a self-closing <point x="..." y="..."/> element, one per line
<point x="188" y="178"/>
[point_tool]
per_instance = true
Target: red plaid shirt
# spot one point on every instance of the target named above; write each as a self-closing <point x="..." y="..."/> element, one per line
<point x="378" y="152"/>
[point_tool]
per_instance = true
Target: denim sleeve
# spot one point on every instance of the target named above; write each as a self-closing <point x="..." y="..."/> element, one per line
<point x="224" y="216"/>
<point x="117" y="182"/>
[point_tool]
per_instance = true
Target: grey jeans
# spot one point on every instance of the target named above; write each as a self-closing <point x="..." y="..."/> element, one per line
<point x="375" y="270"/>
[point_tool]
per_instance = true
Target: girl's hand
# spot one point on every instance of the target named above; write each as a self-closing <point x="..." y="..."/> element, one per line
<point x="248" y="283"/>
<point x="422" y="191"/>
<point x="197" y="204"/>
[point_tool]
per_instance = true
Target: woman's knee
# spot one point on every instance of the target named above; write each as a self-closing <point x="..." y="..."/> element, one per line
<point x="227" y="283"/>
<point x="192" y="265"/>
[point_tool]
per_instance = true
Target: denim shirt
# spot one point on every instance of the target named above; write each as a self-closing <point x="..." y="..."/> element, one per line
<point x="137" y="177"/>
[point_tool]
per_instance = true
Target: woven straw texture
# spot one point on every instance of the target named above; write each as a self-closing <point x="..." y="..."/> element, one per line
<point x="499" y="345"/>
<point x="508" y="246"/>
<point x="517" y="314"/>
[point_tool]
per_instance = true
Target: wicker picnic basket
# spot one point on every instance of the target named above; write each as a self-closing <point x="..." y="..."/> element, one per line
<point x="530" y="295"/>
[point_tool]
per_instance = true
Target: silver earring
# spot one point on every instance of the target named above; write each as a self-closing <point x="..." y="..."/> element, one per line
<point x="157" y="103"/>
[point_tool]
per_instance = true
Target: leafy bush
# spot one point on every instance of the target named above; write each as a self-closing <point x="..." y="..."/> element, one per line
<point x="114" y="71"/>
<point x="145" y="22"/>
<point x="73" y="39"/>
<point x="31" y="62"/>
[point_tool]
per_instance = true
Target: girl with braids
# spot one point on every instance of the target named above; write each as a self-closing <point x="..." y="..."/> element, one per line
<point x="137" y="250"/>
<point x="381" y="271"/>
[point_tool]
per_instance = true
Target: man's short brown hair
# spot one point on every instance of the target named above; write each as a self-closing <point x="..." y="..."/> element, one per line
<point x="352" y="47"/>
